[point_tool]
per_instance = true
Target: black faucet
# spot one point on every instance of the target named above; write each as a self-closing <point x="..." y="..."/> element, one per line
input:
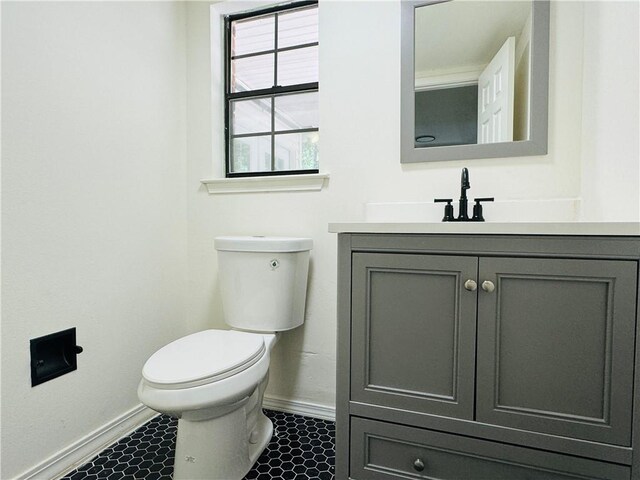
<point x="464" y="186"/>
<point x="463" y="215"/>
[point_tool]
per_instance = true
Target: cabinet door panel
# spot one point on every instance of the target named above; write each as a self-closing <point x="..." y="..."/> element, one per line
<point x="555" y="346"/>
<point x="413" y="337"/>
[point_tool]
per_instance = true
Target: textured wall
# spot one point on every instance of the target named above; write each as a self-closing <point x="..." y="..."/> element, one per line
<point x="93" y="209"/>
<point x="610" y="112"/>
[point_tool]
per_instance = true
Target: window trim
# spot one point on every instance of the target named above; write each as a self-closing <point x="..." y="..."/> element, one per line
<point x="307" y="182"/>
<point x="272" y="92"/>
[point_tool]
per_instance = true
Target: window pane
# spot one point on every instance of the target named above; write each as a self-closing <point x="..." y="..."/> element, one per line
<point x="298" y="27"/>
<point x="251" y="116"/>
<point x="251" y="154"/>
<point x="252" y="73"/>
<point x="297" y="151"/>
<point x="252" y="35"/>
<point x="298" y="66"/>
<point x="296" y="111"/>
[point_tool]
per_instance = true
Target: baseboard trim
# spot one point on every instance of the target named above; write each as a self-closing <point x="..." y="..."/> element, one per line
<point x="78" y="453"/>
<point x="300" y="408"/>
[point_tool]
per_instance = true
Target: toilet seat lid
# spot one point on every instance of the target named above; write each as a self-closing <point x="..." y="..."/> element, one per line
<point x="203" y="357"/>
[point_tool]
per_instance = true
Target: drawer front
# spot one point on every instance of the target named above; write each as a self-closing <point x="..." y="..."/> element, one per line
<point x="388" y="451"/>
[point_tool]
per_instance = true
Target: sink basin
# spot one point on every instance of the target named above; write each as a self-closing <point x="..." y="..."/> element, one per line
<point x="553" y="210"/>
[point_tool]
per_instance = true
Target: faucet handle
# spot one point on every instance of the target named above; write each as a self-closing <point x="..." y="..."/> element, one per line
<point x="448" y="208"/>
<point x="477" y="208"/>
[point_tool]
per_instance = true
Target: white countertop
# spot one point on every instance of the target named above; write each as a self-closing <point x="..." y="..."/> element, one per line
<point x="510" y="228"/>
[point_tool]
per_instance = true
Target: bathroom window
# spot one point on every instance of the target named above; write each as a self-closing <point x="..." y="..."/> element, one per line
<point x="271" y="91"/>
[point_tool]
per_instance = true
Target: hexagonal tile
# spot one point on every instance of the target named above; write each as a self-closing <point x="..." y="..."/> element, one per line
<point x="301" y="448"/>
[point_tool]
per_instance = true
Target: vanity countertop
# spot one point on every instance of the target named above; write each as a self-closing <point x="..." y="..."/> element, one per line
<point x="507" y="228"/>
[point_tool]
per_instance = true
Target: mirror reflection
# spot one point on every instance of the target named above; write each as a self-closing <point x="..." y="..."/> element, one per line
<point x="472" y="71"/>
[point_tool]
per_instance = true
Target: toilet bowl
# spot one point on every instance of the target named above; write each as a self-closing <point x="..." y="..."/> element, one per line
<point x="214" y="381"/>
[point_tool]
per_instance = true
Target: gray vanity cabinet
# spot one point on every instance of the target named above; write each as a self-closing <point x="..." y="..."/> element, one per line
<point x="463" y="357"/>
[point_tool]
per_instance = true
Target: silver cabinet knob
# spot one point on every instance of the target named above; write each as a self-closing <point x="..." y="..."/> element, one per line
<point x="488" y="286"/>
<point x="470" y="285"/>
<point x="418" y="465"/>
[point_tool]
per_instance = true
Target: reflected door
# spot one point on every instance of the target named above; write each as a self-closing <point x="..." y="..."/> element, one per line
<point x="495" y="96"/>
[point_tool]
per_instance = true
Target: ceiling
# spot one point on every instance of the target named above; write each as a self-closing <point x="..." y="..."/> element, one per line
<point x="463" y="33"/>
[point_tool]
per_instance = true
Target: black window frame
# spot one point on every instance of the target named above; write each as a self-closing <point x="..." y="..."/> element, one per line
<point x="271" y="93"/>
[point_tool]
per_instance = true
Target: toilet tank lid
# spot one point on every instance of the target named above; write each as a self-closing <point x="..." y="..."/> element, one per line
<point x="263" y="244"/>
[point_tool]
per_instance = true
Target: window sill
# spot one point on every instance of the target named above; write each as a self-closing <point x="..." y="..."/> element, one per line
<point x="280" y="183"/>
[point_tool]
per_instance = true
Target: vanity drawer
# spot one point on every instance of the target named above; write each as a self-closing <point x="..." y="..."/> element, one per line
<point x="386" y="451"/>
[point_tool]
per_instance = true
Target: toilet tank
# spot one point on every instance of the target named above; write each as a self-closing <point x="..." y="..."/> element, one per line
<point x="263" y="281"/>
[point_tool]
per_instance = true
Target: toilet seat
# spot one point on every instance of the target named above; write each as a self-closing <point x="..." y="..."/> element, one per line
<point x="203" y="358"/>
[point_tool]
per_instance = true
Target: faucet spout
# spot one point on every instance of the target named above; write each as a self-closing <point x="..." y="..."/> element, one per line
<point x="463" y="214"/>
<point x="464" y="181"/>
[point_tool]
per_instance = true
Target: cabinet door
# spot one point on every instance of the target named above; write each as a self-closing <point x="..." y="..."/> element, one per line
<point x="413" y="332"/>
<point x="555" y="346"/>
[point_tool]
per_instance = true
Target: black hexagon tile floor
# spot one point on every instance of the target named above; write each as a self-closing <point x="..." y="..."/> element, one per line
<point x="301" y="448"/>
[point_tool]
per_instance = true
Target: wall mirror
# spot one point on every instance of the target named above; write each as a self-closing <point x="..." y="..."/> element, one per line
<point x="474" y="79"/>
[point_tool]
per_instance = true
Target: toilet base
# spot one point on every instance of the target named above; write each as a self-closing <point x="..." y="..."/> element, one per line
<point x="219" y="448"/>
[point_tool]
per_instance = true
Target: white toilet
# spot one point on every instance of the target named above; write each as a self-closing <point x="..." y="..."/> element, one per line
<point x="214" y="380"/>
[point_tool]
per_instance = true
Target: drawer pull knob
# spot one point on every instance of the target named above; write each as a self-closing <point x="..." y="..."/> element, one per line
<point x="488" y="286"/>
<point x="470" y="285"/>
<point x="418" y="465"/>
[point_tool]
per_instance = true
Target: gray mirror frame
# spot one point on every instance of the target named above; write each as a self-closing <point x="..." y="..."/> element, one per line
<point x="539" y="96"/>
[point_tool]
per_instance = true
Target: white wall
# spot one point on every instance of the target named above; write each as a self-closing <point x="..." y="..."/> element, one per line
<point x="610" y="112"/>
<point x="94" y="208"/>
<point x="359" y="137"/>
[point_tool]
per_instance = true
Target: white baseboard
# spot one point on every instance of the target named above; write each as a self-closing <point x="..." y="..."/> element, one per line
<point x="78" y="453"/>
<point x="300" y="408"/>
